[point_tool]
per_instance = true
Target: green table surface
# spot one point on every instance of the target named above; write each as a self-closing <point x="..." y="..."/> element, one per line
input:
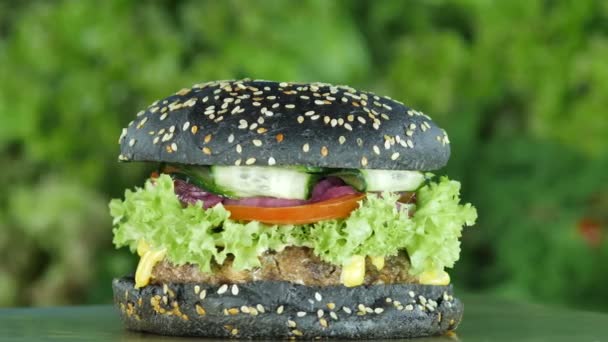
<point x="485" y="319"/>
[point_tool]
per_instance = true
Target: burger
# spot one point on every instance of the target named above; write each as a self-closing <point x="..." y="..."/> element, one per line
<point x="288" y="210"/>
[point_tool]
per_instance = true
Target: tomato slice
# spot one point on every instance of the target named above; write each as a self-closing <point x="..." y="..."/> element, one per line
<point x="334" y="208"/>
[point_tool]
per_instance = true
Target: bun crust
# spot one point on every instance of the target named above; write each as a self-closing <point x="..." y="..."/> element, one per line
<point x="269" y="123"/>
<point x="280" y="310"/>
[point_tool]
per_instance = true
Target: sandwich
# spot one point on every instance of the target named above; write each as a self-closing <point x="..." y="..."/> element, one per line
<point x="288" y="210"/>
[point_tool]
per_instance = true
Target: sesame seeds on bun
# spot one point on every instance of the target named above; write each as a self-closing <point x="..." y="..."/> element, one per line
<point x="268" y="123"/>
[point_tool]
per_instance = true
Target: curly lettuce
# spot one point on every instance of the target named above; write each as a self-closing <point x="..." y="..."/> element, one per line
<point x="378" y="228"/>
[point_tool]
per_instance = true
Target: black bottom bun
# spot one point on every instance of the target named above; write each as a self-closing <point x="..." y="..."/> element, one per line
<point x="265" y="309"/>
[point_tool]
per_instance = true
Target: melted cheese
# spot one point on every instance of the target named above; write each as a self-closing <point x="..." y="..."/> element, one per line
<point x="149" y="258"/>
<point x="142" y="247"/>
<point x="353" y="271"/>
<point x="378" y="262"/>
<point x="434" y="277"/>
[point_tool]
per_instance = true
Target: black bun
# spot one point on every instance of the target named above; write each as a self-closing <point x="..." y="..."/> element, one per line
<point x="281" y="309"/>
<point x="270" y="123"/>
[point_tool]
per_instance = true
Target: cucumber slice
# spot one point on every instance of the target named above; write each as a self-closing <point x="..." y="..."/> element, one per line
<point x="392" y="180"/>
<point x="202" y="177"/>
<point x="249" y="181"/>
<point x="352" y="177"/>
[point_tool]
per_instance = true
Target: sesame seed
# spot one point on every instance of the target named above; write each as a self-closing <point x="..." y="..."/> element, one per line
<point x="320" y="313"/>
<point x="361" y="119"/>
<point x="194" y="129"/>
<point x="174" y="146"/>
<point x="333" y="122"/>
<point x="333" y="315"/>
<point x="271" y="161"/>
<point x="376" y="126"/>
<point x="237" y="162"/>
<point x="409" y="133"/>
<point x="276" y="105"/>
<point x="409" y="307"/>
<point x="309" y="113"/>
<point x="348" y="126"/>
<point x="387" y="144"/>
<point x="305" y="147"/>
<point x="203" y="294"/>
<point x="291" y="323"/>
<point x="326" y="119"/>
<point x="242" y="124"/>
<point x="411" y="294"/>
<point x="280" y="310"/>
<point x="422" y="299"/>
<point x="250" y="161"/>
<point x="412" y="126"/>
<point x="256" y="104"/>
<point x="301" y="314"/>
<point x="279" y="137"/>
<point x="324" y="151"/>
<point x="394" y="156"/>
<point x="361" y="307"/>
<point x="163" y="117"/>
<point x="260" y="308"/>
<point x="132" y="142"/>
<point x="323" y="322"/>
<point x="239" y="148"/>
<point x="234" y="331"/>
<point x="319" y="102"/>
<point x="410" y="143"/>
<point x="197" y="289"/>
<point x="257" y="142"/>
<point x="290" y="106"/>
<point x="297" y="332"/>
<point x="261" y="130"/>
<point x="341" y="139"/>
<point x="376" y="150"/>
<point x="230" y="138"/>
<point x="234" y="290"/>
<point x="222" y="289"/>
<point x="347" y="310"/>
<point x="363" y="161"/>
<point x="318" y="296"/>
<point x="300" y="119"/>
<point x="378" y="310"/>
<point x="359" y="142"/>
<point x="208" y="138"/>
<point x="315" y="117"/>
<point x="206" y="150"/>
<point x="245" y="309"/>
<point x="156" y="139"/>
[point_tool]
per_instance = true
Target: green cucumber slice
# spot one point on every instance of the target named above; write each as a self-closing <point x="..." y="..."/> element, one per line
<point x="352" y="177"/>
<point x="249" y="181"/>
<point x="392" y="180"/>
<point x="202" y="177"/>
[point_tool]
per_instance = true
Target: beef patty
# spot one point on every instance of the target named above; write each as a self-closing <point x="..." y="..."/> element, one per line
<point x="297" y="265"/>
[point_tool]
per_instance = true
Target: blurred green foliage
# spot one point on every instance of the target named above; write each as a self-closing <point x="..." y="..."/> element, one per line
<point x="520" y="85"/>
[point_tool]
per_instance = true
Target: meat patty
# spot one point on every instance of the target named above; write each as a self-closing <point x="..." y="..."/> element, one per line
<point x="294" y="264"/>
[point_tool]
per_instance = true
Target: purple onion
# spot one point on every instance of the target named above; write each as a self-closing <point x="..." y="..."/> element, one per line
<point x="190" y="194"/>
<point x="334" y="192"/>
<point x="328" y="188"/>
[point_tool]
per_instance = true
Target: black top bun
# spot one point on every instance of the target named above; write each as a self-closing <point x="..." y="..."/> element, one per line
<point x="269" y="123"/>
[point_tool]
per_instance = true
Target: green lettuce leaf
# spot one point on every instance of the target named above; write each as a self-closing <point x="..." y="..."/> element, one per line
<point x="378" y="228"/>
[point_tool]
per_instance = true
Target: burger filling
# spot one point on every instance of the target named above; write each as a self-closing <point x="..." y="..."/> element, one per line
<point x="303" y="225"/>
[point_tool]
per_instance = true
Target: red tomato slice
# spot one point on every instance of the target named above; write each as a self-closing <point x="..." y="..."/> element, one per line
<point x="334" y="208"/>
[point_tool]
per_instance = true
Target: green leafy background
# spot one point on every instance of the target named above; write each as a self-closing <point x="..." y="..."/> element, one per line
<point x="521" y="86"/>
